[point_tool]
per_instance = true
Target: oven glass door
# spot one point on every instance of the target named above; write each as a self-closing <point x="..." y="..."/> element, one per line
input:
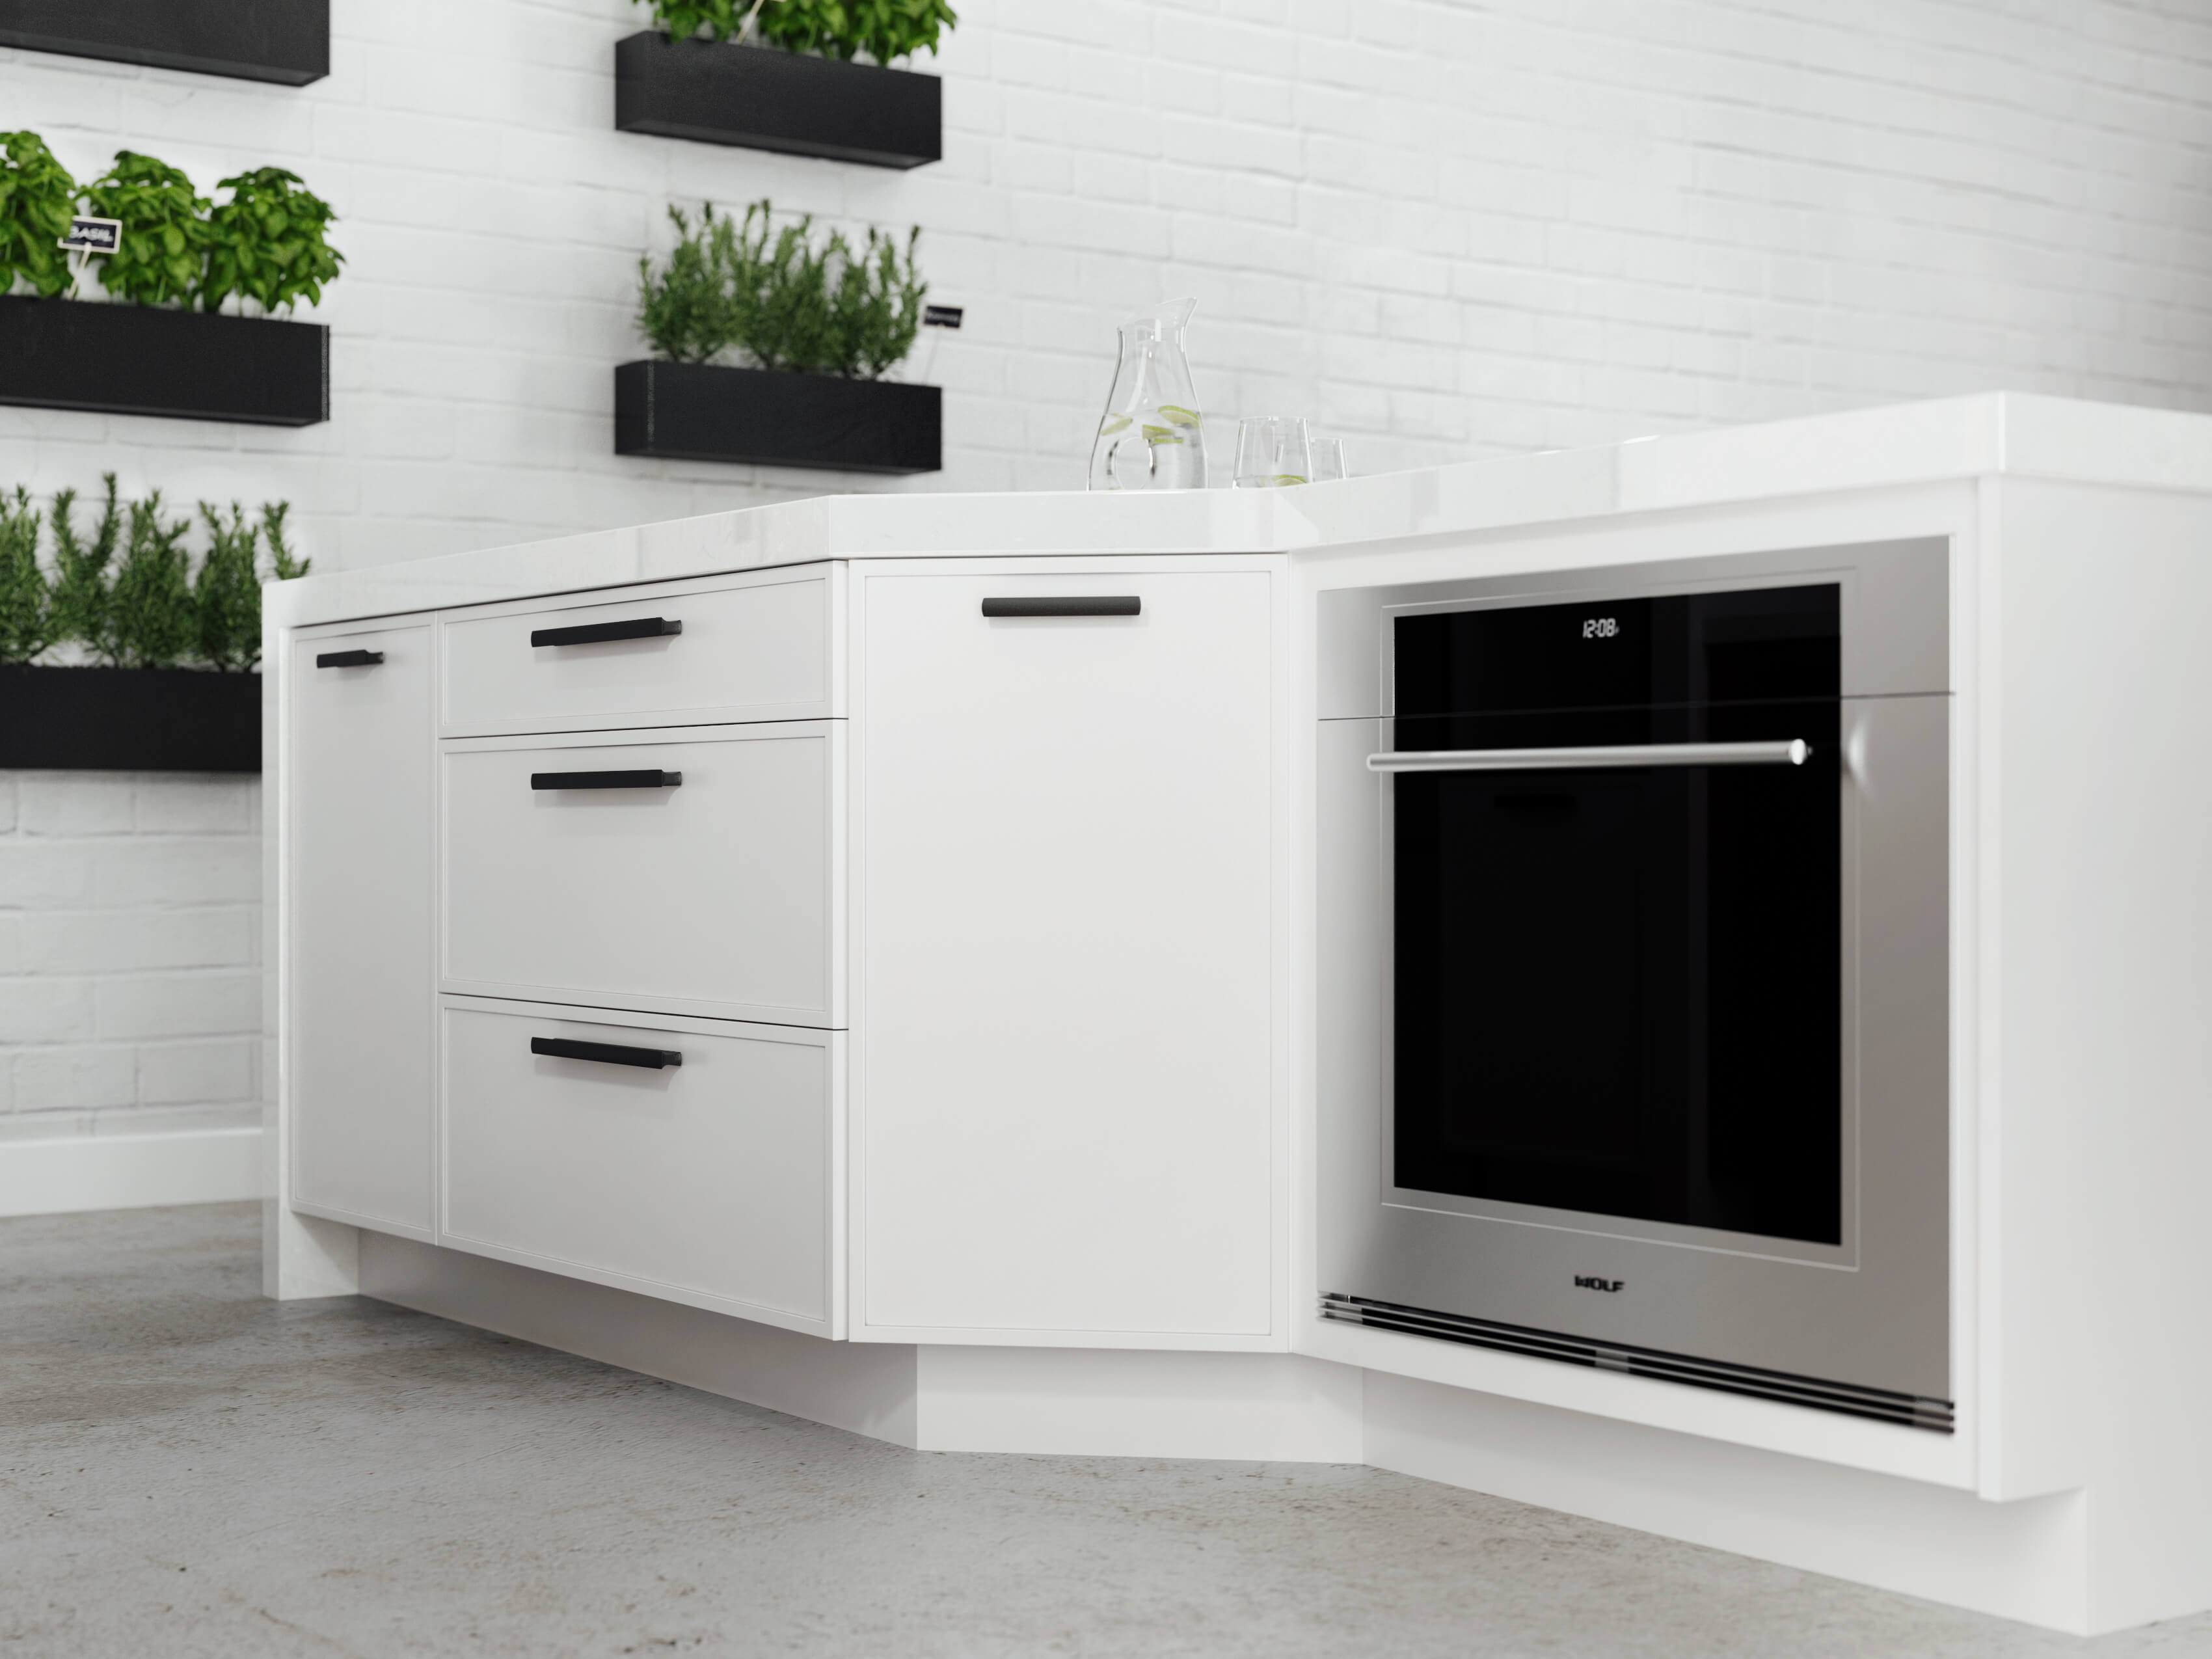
<point x="1618" y="986"/>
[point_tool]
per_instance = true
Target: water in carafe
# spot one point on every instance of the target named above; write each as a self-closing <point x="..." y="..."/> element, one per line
<point x="1149" y="438"/>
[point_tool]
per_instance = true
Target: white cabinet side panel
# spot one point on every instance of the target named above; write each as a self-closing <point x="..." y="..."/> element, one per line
<point x="360" y="1068"/>
<point x="1065" y="924"/>
<point x="2104" y="1095"/>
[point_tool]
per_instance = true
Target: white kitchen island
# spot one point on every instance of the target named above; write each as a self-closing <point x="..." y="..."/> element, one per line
<point x="860" y="956"/>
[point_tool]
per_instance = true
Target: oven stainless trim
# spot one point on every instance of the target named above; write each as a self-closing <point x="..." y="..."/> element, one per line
<point x="1880" y="1403"/>
<point x="1896" y="612"/>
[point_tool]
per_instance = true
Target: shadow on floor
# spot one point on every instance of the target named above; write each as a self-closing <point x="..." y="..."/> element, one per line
<point x="188" y="1469"/>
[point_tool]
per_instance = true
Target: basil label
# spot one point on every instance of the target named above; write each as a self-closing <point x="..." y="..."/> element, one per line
<point x="93" y="236"/>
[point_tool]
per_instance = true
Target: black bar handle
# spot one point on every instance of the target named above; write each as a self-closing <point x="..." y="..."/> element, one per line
<point x="607" y="1053"/>
<point x="1127" y="604"/>
<point x="605" y="780"/>
<point x="347" y="658"/>
<point x="639" y="627"/>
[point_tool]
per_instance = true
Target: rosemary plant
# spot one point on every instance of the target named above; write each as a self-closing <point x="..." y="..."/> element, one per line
<point x="81" y="613"/>
<point x="686" y="309"/>
<point x="151" y="601"/>
<point x="27" y="609"/>
<point x="782" y="297"/>
<point x="149" y="610"/>
<point x="227" y="594"/>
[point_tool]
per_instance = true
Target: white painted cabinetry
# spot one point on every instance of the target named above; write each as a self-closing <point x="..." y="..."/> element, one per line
<point x="1062" y="900"/>
<point x="745" y="647"/>
<point x="991" y="947"/>
<point x="705" y="1181"/>
<point x="619" y="819"/>
<point x="358" y="1059"/>
<point x="709" y="895"/>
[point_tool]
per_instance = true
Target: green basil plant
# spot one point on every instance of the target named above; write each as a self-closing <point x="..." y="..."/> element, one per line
<point x="265" y="243"/>
<point x="165" y="230"/>
<point x="880" y="29"/>
<point x="37" y="199"/>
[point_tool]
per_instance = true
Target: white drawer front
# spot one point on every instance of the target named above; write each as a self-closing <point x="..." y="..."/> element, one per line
<point x="756" y="651"/>
<point x="706" y="1183"/>
<point x="711" y="897"/>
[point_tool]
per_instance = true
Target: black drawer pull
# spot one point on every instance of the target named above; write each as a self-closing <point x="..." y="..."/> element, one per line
<point x="641" y="627"/>
<point x="607" y="1053"/>
<point x="605" y="780"/>
<point x="1127" y="604"/>
<point x="349" y="659"/>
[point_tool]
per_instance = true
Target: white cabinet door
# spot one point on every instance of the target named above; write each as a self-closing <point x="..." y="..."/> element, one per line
<point x="359" y="1065"/>
<point x="711" y="895"/>
<point x="1063" y="898"/>
<point x="705" y="1181"/>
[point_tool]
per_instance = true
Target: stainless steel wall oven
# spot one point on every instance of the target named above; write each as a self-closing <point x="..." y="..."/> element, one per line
<point x="1635" y="970"/>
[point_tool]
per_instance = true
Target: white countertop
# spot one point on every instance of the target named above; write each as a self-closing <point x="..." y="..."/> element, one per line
<point x="1994" y="433"/>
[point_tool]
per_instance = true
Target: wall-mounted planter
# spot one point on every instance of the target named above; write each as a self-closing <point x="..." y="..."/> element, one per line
<point x="287" y="41"/>
<point x="702" y="412"/>
<point x="765" y="98"/>
<point x="140" y="359"/>
<point x="130" y="720"/>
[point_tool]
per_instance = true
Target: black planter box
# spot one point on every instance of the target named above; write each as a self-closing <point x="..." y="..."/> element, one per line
<point x="287" y="41"/>
<point x="130" y="720"/>
<point x="765" y="98"/>
<point x="140" y="359"/>
<point x="701" y="412"/>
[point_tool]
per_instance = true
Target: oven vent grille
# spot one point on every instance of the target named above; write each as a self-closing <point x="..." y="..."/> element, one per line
<point x="1847" y="1398"/>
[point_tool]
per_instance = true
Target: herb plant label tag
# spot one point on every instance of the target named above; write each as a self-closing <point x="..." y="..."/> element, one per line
<point x="93" y="236"/>
<point x="941" y="316"/>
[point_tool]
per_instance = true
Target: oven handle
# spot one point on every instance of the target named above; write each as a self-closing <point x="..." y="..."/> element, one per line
<point x="1779" y="753"/>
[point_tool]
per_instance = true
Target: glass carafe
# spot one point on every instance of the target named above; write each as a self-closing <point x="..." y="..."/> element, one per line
<point x="1149" y="438"/>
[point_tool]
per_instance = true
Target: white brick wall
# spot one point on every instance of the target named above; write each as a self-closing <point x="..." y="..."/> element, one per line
<point x="1446" y="228"/>
<point x="129" y="986"/>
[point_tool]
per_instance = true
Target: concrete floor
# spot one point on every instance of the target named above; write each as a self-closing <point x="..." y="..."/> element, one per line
<point x="186" y="1470"/>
